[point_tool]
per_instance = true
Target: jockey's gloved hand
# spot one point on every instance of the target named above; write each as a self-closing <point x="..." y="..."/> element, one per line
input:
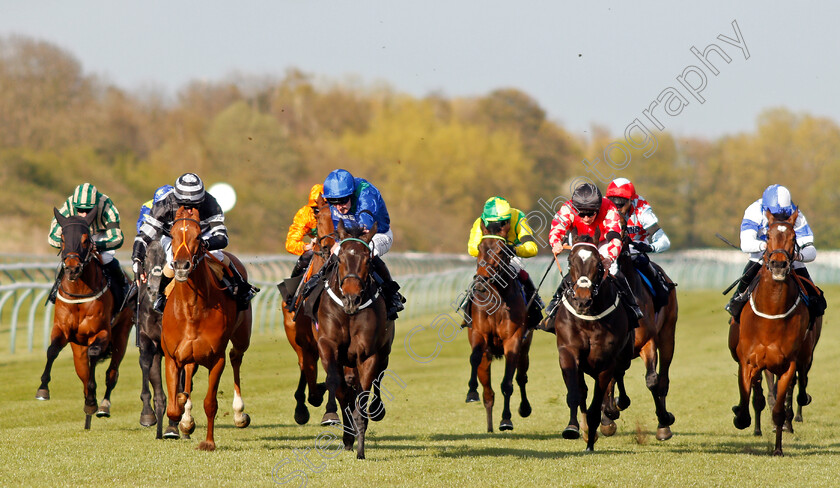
<point x="642" y="246"/>
<point x="137" y="267"/>
<point x="100" y="245"/>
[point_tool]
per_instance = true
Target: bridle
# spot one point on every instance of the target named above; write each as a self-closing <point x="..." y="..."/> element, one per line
<point x="495" y="276"/>
<point x="332" y="294"/>
<point x="198" y="256"/>
<point x="585" y="281"/>
<point x="69" y="254"/>
<point x="353" y="275"/>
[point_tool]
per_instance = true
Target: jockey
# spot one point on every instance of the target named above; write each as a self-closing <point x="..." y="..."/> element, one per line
<point x="777" y="201"/>
<point x="357" y="202"/>
<point x="147" y="207"/>
<point x="645" y="235"/>
<point x="497" y="211"/>
<point x="105" y="232"/>
<point x="188" y="192"/>
<point x="589" y="213"/>
<point x="304" y="224"/>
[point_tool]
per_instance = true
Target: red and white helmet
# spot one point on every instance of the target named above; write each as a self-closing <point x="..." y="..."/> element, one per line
<point x="622" y="188"/>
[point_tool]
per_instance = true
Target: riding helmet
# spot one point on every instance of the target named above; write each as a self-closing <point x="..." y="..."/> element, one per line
<point x="495" y="209"/>
<point x="776" y="199"/>
<point x="587" y="197"/>
<point x="339" y="184"/>
<point x="84" y="197"/>
<point x="189" y="189"/>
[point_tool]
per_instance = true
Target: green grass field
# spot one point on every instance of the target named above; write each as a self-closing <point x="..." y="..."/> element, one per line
<point x="429" y="436"/>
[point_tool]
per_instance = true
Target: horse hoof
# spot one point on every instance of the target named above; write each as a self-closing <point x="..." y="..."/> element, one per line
<point x="803" y="401"/>
<point x="623" y="403"/>
<point x="245" y="421"/>
<point x="360" y="456"/>
<point x="663" y="433"/>
<point x="505" y="424"/>
<point x="778" y="452"/>
<point x="330" y="418"/>
<point x="612" y="414"/>
<point x="148" y="420"/>
<point x="589" y="449"/>
<point x="104" y="410"/>
<point x="301" y="415"/>
<point x="317" y="398"/>
<point x="187" y="429"/>
<point x="90" y="409"/>
<point x="206" y="446"/>
<point x="757" y="432"/>
<point x="571" y="432"/>
<point x="608" y="429"/>
<point x="798" y="418"/>
<point x="740" y="423"/>
<point x="787" y="427"/>
<point x="379" y="414"/>
<point x="171" y="433"/>
<point x="472" y="396"/>
<point x="524" y="409"/>
<point x="43" y="394"/>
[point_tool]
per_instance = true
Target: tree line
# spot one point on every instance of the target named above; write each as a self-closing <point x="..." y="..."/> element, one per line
<point x="436" y="159"/>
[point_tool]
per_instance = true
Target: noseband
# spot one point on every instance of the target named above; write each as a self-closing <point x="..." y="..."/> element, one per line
<point x="352" y="275"/>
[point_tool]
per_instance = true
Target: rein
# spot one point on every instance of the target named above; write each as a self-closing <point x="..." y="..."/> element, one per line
<point x="194" y="258"/>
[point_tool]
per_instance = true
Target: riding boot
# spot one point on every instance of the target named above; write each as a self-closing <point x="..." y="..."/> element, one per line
<point x="241" y="290"/>
<point x="627" y="294"/>
<point x="465" y="309"/>
<point x="736" y="303"/>
<point x="547" y="324"/>
<point x="816" y="298"/>
<point x="302" y="263"/>
<point x="390" y="288"/>
<point x="537" y="305"/>
<point x="117" y="282"/>
<point x="54" y="291"/>
<point x="160" y="301"/>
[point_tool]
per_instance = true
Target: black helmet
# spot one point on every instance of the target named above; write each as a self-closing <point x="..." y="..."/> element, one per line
<point x="587" y="197"/>
<point x="189" y="189"/>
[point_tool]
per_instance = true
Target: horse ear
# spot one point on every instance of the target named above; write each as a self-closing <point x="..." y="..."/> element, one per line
<point x="90" y="217"/>
<point x="59" y="218"/>
<point x="369" y="235"/>
<point x="793" y="217"/>
<point x="483" y="227"/>
<point x="342" y="232"/>
<point x="769" y="216"/>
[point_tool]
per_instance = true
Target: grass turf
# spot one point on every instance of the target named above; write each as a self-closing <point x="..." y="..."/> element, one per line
<point x="429" y="436"/>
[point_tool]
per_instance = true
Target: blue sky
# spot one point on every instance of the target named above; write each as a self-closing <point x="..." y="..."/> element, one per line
<point x="584" y="62"/>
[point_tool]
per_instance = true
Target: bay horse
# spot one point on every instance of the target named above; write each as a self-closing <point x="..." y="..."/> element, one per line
<point x="772" y="329"/>
<point x="499" y="325"/>
<point x="355" y="337"/>
<point x="83" y="316"/>
<point x="199" y="320"/>
<point x="593" y="337"/>
<point x="653" y="342"/>
<point x="300" y="331"/>
<point x="149" y="331"/>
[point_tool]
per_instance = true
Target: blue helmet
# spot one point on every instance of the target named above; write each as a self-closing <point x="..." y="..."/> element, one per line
<point x="161" y="192"/>
<point x="776" y="199"/>
<point x="339" y="184"/>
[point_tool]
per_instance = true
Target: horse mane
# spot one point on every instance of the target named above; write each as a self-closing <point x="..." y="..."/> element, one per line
<point x="584" y="238"/>
<point x="494" y="227"/>
<point x="354" y="231"/>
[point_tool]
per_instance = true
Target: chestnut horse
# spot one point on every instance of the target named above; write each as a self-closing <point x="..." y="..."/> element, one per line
<point x="199" y="320"/>
<point x="83" y="316"/>
<point x="499" y="317"/>
<point x="772" y="329"/>
<point x="149" y="329"/>
<point x="593" y="337"/>
<point x="355" y="337"/>
<point x="300" y="331"/>
<point x="654" y="343"/>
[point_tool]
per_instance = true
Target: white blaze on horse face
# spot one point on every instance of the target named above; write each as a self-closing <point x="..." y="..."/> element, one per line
<point x="584" y="254"/>
<point x="783" y="228"/>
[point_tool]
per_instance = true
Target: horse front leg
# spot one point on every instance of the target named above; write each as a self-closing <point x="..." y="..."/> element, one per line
<point x="758" y="403"/>
<point x="160" y="395"/>
<point x="569" y="366"/>
<point x="329" y="360"/>
<point x="488" y="395"/>
<point x="746" y="377"/>
<point x="593" y="413"/>
<point x="184" y="399"/>
<point x="610" y="411"/>
<point x="511" y="360"/>
<point x="211" y="403"/>
<point x="522" y="380"/>
<point x="57" y="343"/>
<point x="147" y="354"/>
<point x="477" y="353"/>
<point x="83" y="363"/>
<point x="665" y="345"/>
<point x="119" y="345"/>
<point x="174" y="409"/>
<point x="780" y="409"/>
<point x="240" y="418"/>
<point x="367" y="371"/>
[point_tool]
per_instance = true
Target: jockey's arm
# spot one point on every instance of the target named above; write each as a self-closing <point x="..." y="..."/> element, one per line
<point x="475" y="238"/>
<point x="805" y="240"/>
<point x="298" y="231"/>
<point x="527" y="247"/>
<point x="750" y="226"/>
<point x="559" y="227"/>
<point x="112" y="237"/>
<point x="658" y="239"/>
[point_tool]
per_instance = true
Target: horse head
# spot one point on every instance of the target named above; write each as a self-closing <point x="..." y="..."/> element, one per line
<point x="187" y="247"/>
<point x="76" y="243"/>
<point x="585" y="270"/>
<point x="494" y="253"/>
<point x="155" y="260"/>
<point x="354" y="255"/>
<point x="781" y="249"/>
<point x="325" y="228"/>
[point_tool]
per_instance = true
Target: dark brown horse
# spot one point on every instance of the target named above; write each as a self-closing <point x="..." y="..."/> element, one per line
<point x="499" y="325"/>
<point x="654" y="343"/>
<point x="355" y="337"/>
<point x="199" y="320"/>
<point x="593" y="337"/>
<point x="149" y="330"/>
<point x="772" y="329"/>
<point x="82" y="317"/>
<point x="300" y="331"/>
